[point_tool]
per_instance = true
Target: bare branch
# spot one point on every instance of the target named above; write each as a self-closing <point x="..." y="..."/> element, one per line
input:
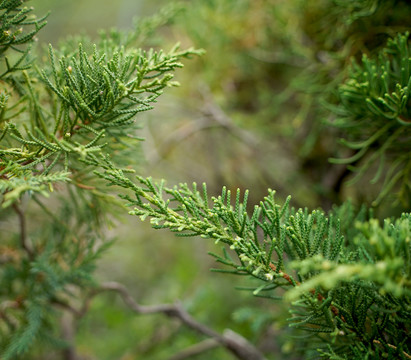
<point x="232" y="341"/>
<point x="179" y="135"/>
<point x="212" y="116"/>
<point x="23" y="231"/>
<point x="212" y="110"/>
<point x="196" y="349"/>
<point x="68" y="333"/>
<point x="9" y="319"/>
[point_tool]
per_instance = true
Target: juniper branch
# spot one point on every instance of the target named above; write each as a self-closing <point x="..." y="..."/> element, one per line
<point x="328" y="280"/>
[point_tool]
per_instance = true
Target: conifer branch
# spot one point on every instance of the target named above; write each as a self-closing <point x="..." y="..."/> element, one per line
<point x="71" y="120"/>
<point x="375" y="116"/>
<point x="266" y="240"/>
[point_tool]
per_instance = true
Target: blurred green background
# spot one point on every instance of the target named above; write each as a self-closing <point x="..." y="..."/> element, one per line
<point x="249" y="114"/>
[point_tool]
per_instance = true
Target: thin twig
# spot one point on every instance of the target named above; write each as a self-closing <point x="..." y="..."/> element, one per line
<point x="181" y="134"/>
<point x="23" y="231"/>
<point x="212" y="110"/>
<point x="68" y="333"/>
<point x="10" y="320"/>
<point x="195" y="349"/>
<point x="212" y="116"/>
<point x="232" y="341"/>
<point x="408" y="356"/>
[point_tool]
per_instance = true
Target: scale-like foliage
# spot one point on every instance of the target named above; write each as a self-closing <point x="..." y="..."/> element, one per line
<point x="91" y="97"/>
<point x="343" y="287"/>
<point x="376" y="117"/>
<point x="15" y="181"/>
<point x="64" y="125"/>
<point x="59" y="121"/>
<point x="18" y="28"/>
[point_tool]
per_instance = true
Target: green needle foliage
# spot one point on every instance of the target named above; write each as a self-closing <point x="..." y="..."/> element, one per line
<point x="59" y="120"/>
<point x="67" y="127"/>
<point x="375" y="113"/>
<point x="89" y="96"/>
<point x="344" y="283"/>
<point x="18" y="28"/>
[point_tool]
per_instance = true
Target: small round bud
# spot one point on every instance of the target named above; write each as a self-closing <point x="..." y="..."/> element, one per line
<point x="269" y="276"/>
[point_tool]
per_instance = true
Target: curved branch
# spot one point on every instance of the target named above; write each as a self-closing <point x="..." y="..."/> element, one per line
<point x="195" y="349"/>
<point x="233" y="342"/>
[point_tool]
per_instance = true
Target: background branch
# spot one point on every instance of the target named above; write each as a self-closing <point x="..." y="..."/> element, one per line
<point x="232" y="341"/>
<point x="68" y="333"/>
<point x="195" y="349"/>
<point x="23" y="231"/>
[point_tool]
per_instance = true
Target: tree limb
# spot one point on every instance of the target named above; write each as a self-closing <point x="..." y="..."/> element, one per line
<point x="195" y="349"/>
<point x="232" y="341"/>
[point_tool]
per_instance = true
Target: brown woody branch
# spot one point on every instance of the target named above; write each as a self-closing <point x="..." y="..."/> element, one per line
<point x="233" y="342"/>
<point x="408" y="356"/>
<point x="23" y="231"/>
<point x="196" y="349"/>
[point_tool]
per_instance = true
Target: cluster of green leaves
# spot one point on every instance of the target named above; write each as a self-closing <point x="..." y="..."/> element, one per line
<point x="375" y="115"/>
<point x="352" y="292"/>
<point x="368" y="288"/>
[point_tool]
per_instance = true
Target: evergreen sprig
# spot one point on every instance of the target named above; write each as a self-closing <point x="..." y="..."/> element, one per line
<point x="143" y="28"/>
<point x="109" y="92"/>
<point x="58" y="121"/>
<point x="92" y="97"/>
<point x="340" y="285"/>
<point x="15" y="181"/>
<point x="61" y="268"/>
<point x="17" y="27"/>
<point x="375" y="116"/>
